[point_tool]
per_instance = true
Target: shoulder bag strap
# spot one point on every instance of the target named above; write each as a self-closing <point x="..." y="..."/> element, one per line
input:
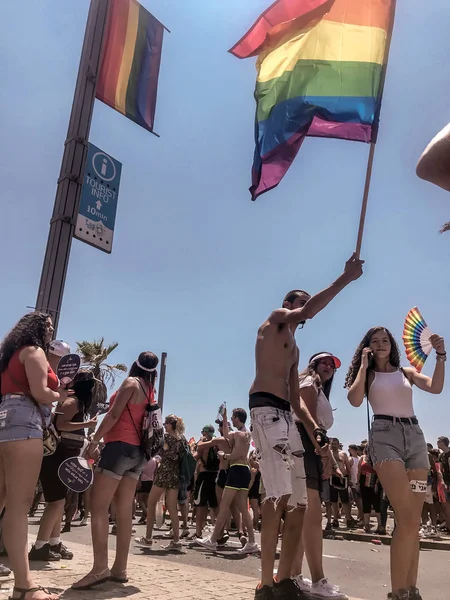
<point x="129" y="411"/>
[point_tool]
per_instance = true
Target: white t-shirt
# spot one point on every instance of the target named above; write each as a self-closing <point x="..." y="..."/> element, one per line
<point x="324" y="411"/>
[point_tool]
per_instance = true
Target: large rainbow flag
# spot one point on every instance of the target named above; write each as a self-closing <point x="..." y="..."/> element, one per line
<point x="128" y="80"/>
<point x="320" y="70"/>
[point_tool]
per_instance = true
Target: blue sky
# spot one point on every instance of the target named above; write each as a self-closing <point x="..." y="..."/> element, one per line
<point x="196" y="266"/>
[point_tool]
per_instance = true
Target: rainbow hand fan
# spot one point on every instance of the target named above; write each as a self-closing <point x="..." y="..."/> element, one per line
<point x="416" y="337"/>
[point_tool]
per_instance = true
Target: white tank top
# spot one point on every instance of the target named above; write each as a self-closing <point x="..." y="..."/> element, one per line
<point x="391" y="394"/>
<point x="324" y="411"/>
<point x="354" y="469"/>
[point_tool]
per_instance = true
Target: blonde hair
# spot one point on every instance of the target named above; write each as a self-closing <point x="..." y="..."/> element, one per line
<point x="179" y="424"/>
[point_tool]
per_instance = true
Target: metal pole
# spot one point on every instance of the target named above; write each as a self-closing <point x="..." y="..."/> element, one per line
<point x="62" y="224"/>
<point x="162" y="379"/>
<point x="362" y="218"/>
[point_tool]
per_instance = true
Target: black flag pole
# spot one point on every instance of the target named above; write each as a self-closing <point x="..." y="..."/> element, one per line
<point x="62" y="224"/>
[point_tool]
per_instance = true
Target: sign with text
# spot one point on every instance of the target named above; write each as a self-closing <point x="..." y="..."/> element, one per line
<point x="76" y="474"/>
<point x="98" y="202"/>
<point x="67" y="368"/>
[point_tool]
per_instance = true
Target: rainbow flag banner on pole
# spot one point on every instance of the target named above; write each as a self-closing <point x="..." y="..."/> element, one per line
<point x="320" y="73"/>
<point x="128" y="80"/>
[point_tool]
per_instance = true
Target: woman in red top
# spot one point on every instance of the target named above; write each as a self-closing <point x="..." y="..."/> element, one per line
<point x="121" y="464"/>
<point x="28" y="387"/>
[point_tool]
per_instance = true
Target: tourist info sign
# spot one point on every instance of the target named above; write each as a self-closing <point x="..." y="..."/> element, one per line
<point x="98" y="202"/>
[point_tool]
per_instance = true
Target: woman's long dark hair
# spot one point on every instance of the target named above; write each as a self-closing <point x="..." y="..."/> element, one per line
<point x="149" y="361"/>
<point x="394" y="357"/>
<point x="83" y="387"/>
<point x="311" y="371"/>
<point x="31" y="330"/>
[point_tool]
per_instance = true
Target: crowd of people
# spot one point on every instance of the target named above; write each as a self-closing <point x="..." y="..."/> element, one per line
<point x="278" y="474"/>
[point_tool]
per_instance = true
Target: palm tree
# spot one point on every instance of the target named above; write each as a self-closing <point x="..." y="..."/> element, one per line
<point x="94" y="355"/>
<point x="445" y="227"/>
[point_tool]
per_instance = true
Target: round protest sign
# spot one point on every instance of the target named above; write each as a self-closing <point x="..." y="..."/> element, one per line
<point x="76" y="474"/>
<point x="67" y="368"/>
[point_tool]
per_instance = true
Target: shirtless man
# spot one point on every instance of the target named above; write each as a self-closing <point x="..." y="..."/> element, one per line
<point x="205" y="485"/>
<point x="273" y="394"/>
<point x="237" y="484"/>
<point x="344" y="469"/>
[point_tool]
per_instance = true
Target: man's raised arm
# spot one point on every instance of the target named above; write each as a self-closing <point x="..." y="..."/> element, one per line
<point x="434" y="164"/>
<point x="353" y="270"/>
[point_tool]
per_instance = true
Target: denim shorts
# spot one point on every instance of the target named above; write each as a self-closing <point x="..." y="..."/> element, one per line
<point x="395" y="440"/>
<point x="20" y="418"/>
<point x="280" y="453"/>
<point x="120" y="459"/>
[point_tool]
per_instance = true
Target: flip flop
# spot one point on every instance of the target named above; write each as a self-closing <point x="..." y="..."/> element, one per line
<point x="23" y="592"/>
<point x="97" y="580"/>
<point x="118" y="579"/>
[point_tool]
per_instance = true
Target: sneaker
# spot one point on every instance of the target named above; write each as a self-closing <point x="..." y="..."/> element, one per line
<point x="323" y="589"/>
<point x="352" y="524"/>
<point x="184" y="533"/>
<point x="249" y="548"/>
<point x="401" y="595"/>
<point x="414" y="594"/>
<point x="335" y="524"/>
<point x="432" y="533"/>
<point x="287" y="589"/>
<point x="303" y="583"/>
<point x="224" y="539"/>
<point x="243" y="539"/>
<point x="65" y="553"/>
<point x="4" y="571"/>
<point x="171" y="546"/>
<point x="169" y="534"/>
<point x="207" y="543"/>
<point x="264" y="593"/>
<point x="142" y="521"/>
<point x="45" y="554"/>
<point x="66" y="528"/>
<point x="328" y="527"/>
<point x="114" y="529"/>
<point x="143" y="541"/>
<point x="84" y="521"/>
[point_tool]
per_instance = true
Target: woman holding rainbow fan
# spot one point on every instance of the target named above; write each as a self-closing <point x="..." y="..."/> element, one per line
<point x="397" y="445"/>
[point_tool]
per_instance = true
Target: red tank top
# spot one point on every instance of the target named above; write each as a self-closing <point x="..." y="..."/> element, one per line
<point x="15" y="381"/>
<point x="128" y="428"/>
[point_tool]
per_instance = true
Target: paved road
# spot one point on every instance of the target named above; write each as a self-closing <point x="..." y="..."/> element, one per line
<point x="361" y="569"/>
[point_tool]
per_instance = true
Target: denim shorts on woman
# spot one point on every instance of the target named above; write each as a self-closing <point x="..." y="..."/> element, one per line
<point x="20" y="418"/>
<point x="119" y="459"/>
<point x="396" y="440"/>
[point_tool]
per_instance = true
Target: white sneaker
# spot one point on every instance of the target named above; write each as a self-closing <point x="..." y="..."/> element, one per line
<point x="207" y="543"/>
<point x="323" y="589"/>
<point x="169" y="534"/>
<point x="303" y="583"/>
<point x="84" y="521"/>
<point x="143" y="541"/>
<point x="249" y="548"/>
<point x="171" y="546"/>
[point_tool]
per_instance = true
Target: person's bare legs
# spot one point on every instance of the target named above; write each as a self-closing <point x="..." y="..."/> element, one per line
<point x="123" y="500"/>
<point x="292" y="531"/>
<point x="271" y="519"/>
<point x="200" y="520"/>
<point x="50" y="525"/>
<point x="311" y="539"/>
<point x="241" y="500"/>
<point x="103" y="490"/>
<point x="172" y="507"/>
<point x="153" y="499"/>
<point x="227" y="498"/>
<point x="254" y="505"/>
<point x="184" y="509"/>
<point x="21" y="463"/>
<point x="407" y="505"/>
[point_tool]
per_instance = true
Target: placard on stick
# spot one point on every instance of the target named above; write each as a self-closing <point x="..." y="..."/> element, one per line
<point x="76" y="474"/>
<point x="67" y="368"/>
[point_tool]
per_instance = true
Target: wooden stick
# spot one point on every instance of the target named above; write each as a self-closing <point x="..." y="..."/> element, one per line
<point x="362" y="218"/>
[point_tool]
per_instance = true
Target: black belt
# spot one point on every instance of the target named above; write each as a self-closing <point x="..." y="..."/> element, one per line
<point x="411" y="420"/>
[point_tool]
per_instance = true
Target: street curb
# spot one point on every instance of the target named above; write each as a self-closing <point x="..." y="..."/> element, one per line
<point x="385" y="540"/>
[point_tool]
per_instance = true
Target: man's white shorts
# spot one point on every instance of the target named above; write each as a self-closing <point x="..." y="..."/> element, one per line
<point x="280" y="454"/>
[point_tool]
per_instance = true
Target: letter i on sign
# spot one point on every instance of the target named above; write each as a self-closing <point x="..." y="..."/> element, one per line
<point x="104" y="167"/>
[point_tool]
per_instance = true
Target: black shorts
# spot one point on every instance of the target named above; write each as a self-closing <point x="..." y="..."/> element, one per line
<point x="222" y="477"/>
<point x="205" y="490"/>
<point x="120" y="459"/>
<point x="53" y="488"/>
<point x="145" y="487"/>
<point x="254" y="493"/>
<point x="312" y="461"/>
<point x="336" y="493"/>
<point x="238" y="477"/>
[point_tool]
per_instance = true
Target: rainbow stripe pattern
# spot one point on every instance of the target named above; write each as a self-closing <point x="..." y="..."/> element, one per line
<point x="128" y="80"/>
<point x="320" y="68"/>
<point x="416" y="337"/>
